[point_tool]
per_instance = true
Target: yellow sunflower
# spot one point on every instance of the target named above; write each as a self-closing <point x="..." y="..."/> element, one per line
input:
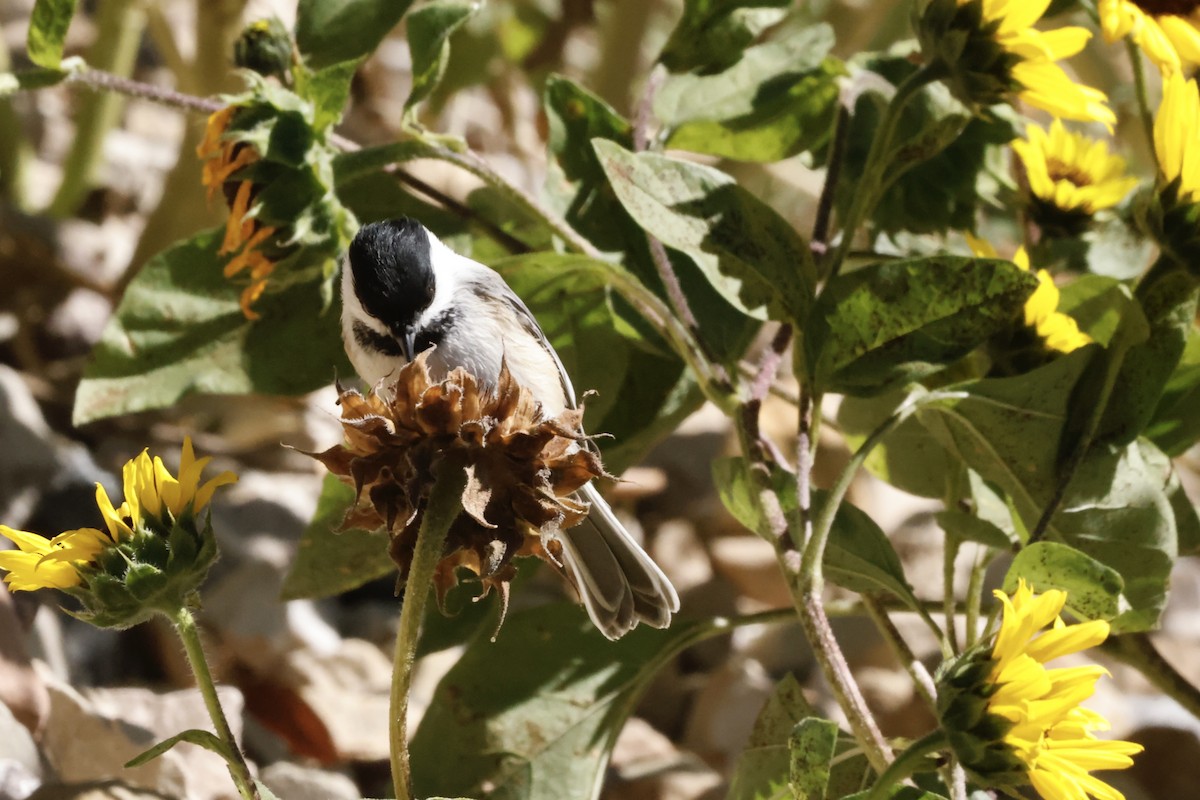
<point x="1072" y="172"/>
<point x="1013" y="721"/>
<point x="989" y="50"/>
<point x="1058" y="331"/>
<point x="1168" y="32"/>
<point x="1176" y="134"/>
<point x="1050" y="732"/>
<point x="151" y="491"/>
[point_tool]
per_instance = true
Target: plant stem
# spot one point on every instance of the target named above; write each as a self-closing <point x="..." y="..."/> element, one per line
<point x="15" y="150"/>
<point x="906" y="764"/>
<point x="1143" y="96"/>
<point x="841" y="681"/>
<point x="442" y="508"/>
<point x="119" y="31"/>
<point x="1136" y="650"/>
<point x="921" y="678"/>
<point x="185" y="625"/>
<point x="975" y="598"/>
<point x="472" y="163"/>
<point x="949" y="555"/>
<point x="875" y="167"/>
<point x="814" y="549"/>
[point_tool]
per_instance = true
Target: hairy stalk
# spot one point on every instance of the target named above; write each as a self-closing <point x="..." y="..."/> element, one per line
<point x="15" y="150"/>
<point x="906" y="764"/>
<point x="1143" y="96"/>
<point x="866" y="194"/>
<point x="119" y="31"/>
<point x="975" y="598"/>
<point x="189" y="634"/>
<point x="949" y="556"/>
<point x="713" y="382"/>
<point x="837" y="154"/>
<point x="921" y="678"/>
<point x="443" y="507"/>
<point x="841" y="681"/>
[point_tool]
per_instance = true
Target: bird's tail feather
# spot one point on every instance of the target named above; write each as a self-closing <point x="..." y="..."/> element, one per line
<point x="619" y="583"/>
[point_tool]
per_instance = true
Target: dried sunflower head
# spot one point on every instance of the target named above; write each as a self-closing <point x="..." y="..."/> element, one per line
<point x="521" y="468"/>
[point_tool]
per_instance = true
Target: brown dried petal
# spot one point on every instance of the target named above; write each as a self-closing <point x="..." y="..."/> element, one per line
<point x="475" y="498"/>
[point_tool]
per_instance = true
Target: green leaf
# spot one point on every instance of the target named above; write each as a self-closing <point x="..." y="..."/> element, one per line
<point x="858" y="556"/>
<point x="907" y="457"/>
<point x="48" y="23"/>
<point x="179" y="330"/>
<point x="1115" y="509"/>
<point x="1175" y="426"/>
<point x="762" y="769"/>
<point x="263" y="792"/>
<point x="941" y="164"/>
<point x="27" y="79"/>
<point x="900" y="321"/>
<point x="328" y="90"/>
<point x="534" y="715"/>
<point x="1187" y="521"/>
<point x="970" y="528"/>
<point x="1168" y="296"/>
<point x="1093" y="589"/>
<point x="779" y="100"/>
<point x="332" y="31"/>
<point x="813" y="744"/>
<point x="1096" y="303"/>
<point x="206" y="739"/>
<point x="578" y="188"/>
<point x="429" y="29"/>
<point x="712" y="34"/>
<point x="330" y="561"/>
<point x="750" y="254"/>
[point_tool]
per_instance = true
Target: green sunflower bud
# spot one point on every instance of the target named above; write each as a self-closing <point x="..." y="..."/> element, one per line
<point x="152" y="571"/>
<point x="976" y="66"/>
<point x="975" y="734"/>
<point x="265" y="46"/>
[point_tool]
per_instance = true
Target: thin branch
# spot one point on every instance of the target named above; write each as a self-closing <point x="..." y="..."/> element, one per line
<point x="645" y="108"/>
<point x="100" y="80"/>
<point x="922" y="680"/>
<point x="837" y="153"/>
<point x="768" y="365"/>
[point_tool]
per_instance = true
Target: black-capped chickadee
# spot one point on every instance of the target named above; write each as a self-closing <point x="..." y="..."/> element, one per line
<point x="403" y="291"/>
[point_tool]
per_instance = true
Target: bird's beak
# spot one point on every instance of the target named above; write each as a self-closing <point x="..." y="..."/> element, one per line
<point x="408" y="343"/>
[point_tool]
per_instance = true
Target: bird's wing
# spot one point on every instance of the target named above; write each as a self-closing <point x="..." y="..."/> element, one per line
<point x="531" y="325"/>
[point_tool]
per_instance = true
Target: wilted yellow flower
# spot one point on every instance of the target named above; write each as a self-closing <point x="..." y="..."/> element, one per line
<point x="521" y="468"/>
<point x="1013" y="721"/>
<point x="989" y="50"/>
<point x="1176" y="133"/>
<point x="1057" y="330"/>
<point x="245" y="237"/>
<point x="155" y="505"/>
<point x="1169" y="33"/>
<point x="1072" y="172"/>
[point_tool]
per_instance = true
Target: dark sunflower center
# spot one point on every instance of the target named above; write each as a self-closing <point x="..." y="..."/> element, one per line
<point x="1160" y="8"/>
<point x="1067" y="172"/>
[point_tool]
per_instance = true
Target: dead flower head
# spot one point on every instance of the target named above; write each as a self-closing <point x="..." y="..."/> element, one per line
<point x="521" y="469"/>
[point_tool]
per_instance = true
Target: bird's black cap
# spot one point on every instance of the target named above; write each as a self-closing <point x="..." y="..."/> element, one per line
<point x="393" y="274"/>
